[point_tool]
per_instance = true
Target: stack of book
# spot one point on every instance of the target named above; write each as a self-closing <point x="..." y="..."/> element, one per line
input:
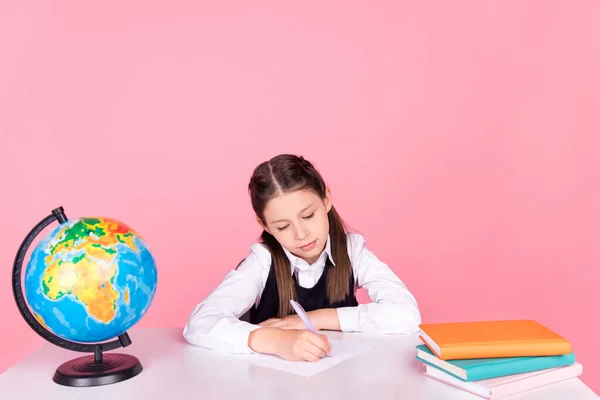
<point x="496" y="359"/>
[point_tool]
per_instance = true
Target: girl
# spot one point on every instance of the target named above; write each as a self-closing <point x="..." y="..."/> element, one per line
<point x="304" y="254"/>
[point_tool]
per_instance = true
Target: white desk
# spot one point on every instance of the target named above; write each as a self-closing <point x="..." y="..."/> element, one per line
<point x="174" y="369"/>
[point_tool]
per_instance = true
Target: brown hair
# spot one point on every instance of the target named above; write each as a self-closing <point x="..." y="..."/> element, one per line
<point x="286" y="173"/>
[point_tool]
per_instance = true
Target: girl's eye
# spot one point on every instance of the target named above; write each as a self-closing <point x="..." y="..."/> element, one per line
<point x="282" y="228"/>
<point x="309" y="216"/>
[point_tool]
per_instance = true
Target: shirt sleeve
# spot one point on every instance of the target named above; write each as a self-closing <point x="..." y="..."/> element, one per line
<point x="214" y="323"/>
<point x="393" y="308"/>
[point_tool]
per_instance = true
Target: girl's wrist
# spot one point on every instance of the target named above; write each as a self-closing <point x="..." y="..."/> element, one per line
<point x="324" y="319"/>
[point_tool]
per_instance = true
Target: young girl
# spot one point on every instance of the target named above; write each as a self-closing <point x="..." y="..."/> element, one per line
<point x="304" y="254"/>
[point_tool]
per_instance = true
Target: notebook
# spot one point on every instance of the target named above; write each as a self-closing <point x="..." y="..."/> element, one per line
<point x="498" y="388"/>
<point x="492" y="339"/>
<point x="475" y="369"/>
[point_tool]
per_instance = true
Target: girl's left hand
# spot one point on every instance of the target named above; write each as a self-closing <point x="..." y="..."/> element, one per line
<point x="290" y="322"/>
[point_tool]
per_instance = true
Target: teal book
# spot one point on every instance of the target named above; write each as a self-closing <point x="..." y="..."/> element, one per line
<point x="486" y="368"/>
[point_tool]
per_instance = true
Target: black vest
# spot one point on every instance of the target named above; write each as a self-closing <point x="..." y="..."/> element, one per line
<point x="311" y="299"/>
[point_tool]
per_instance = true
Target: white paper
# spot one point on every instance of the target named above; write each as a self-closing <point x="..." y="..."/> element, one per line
<point x="341" y="351"/>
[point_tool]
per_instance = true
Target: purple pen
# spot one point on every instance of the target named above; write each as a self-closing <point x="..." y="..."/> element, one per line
<point x="302" y="314"/>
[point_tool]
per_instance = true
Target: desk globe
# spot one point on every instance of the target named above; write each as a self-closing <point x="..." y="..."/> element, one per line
<point x="89" y="280"/>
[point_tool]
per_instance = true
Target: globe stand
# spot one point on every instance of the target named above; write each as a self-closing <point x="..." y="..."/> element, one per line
<point x="98" y="369"/>
<point x="94" y="370"/>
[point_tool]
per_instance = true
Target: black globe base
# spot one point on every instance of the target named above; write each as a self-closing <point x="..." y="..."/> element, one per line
<point x="87" y="371"/>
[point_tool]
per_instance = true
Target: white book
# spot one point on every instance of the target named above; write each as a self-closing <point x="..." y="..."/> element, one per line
<point x="504" y="386"/>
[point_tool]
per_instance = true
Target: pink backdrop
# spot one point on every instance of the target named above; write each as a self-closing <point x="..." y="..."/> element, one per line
<point x="462" y="139"/>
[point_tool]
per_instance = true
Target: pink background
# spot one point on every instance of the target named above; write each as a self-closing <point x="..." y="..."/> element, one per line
<point x="461" y="138"/>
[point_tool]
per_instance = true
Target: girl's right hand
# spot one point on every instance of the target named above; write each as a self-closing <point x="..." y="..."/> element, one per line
<point x="290" y="344"/>
<point x="302" y="345"/>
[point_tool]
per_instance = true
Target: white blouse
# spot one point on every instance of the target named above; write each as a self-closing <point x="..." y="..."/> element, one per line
<point x="215" y="324"/>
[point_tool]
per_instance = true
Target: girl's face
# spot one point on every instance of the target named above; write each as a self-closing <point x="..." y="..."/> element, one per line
<point x="298" y="220"/>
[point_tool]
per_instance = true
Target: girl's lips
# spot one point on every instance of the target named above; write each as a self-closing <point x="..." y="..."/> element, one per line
<point x="309" y="246"/>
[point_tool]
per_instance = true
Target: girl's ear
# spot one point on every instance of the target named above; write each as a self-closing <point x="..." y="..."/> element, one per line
<point x="327" y="200"/>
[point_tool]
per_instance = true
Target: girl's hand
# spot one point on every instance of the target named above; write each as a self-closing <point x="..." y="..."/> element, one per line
<point x="302" y="345"/>
<point x="291" y="344"/>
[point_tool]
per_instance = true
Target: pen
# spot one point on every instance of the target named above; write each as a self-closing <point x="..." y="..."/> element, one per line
<point x="302" y="314"/>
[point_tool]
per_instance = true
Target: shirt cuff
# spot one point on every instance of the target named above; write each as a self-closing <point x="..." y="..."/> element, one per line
<point x="348" y="318"/>
<point x="234" y="335"/>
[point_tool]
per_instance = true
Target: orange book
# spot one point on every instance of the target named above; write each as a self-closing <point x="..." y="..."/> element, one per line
<point x="491" y="339"/>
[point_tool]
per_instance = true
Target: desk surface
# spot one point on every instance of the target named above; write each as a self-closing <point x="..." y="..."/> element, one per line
<point x="176" y="370"/>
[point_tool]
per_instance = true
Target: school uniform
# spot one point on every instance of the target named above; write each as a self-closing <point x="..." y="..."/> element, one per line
<point x="248" y="295"/>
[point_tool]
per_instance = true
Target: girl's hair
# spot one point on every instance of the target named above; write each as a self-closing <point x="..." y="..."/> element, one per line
<point x="286" y="173"/>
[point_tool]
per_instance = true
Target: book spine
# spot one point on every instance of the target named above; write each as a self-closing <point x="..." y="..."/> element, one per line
<point x="500" y="350"/>
<point x="523" y="365"/>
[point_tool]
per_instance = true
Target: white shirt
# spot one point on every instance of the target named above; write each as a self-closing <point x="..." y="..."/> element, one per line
<point x="215" y="324"/>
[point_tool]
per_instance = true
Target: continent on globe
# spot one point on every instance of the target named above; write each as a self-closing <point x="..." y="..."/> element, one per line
<point x="78" y="276"/>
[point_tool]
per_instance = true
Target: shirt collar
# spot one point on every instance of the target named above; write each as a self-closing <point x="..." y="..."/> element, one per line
<point x="295" y="261"/>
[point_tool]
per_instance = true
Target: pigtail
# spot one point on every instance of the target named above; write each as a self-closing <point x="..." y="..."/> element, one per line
<point x="338" y="274"/>
<point x="283" y="276"/>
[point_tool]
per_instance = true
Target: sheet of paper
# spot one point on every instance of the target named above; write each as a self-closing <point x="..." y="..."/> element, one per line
<point x="341" y="351"/>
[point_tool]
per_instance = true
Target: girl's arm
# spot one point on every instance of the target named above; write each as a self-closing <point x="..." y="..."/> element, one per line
<point x="393" y="309"/>
<point x="214" y="322"/>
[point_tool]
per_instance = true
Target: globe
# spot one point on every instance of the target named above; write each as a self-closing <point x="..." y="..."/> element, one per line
<point x="90" y="279"/>
<point x="87" y="281"/>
